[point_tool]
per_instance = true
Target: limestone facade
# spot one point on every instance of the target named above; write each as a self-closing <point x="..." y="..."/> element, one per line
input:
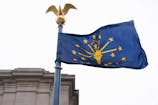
<point x="33" y="86"/>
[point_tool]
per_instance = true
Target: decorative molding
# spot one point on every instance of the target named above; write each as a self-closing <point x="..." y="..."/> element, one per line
<point x="22" y="83"/>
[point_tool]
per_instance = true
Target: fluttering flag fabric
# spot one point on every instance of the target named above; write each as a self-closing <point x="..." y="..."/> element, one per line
<point x="111" y="46"/>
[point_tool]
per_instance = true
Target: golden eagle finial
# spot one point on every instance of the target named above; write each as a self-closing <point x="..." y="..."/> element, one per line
<point x="60" y="13"/>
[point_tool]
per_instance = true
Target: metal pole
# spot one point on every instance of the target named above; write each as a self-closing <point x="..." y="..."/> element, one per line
<point x="60" y="13"/>
<point x="57" y="78"/>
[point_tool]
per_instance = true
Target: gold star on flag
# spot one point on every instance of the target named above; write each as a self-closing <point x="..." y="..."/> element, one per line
<point x="112" y="55"/>
<point x="111" y="39"/>
<point x="82" y="58"/>
<point x="109" y="63"/>
<point x="119" y="48"/>
<point x="123" y="58"/>
<point x="106" y="65"/>
<point x="99" y="37"/>
<point x="74" y="59"/>
<point x="73" y="52"/>
<point x="85" y="41"/>
<point x="94" y="36"/>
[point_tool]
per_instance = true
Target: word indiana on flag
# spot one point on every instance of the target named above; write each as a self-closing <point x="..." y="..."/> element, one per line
<point x="110" y="46"/>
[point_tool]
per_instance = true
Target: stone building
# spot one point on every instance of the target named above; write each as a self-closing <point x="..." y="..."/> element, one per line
<point x="33" y="86"/>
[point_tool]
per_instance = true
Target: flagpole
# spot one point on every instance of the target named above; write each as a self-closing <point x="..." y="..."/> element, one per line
<point x="57" y="78"/>
<point x="60" y="13"/>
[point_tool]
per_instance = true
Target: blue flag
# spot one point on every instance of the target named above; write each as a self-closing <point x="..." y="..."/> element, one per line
<point x="110" y="46"/>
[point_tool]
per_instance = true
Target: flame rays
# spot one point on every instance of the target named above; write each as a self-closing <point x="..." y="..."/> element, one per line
<point x="94" y="50"/>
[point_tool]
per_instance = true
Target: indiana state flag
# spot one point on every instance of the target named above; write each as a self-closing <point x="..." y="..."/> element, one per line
<point x="111" y="46"/>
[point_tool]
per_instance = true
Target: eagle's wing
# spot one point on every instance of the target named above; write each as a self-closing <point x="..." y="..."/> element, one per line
<point x="52" y="8"/>
<point x="67" y="7"/>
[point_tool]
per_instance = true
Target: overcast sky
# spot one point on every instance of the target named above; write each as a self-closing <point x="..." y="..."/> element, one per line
<point x="28" y="38"/>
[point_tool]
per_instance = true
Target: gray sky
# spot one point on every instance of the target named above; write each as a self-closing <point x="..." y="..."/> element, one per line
<point x="28" y="38"/>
